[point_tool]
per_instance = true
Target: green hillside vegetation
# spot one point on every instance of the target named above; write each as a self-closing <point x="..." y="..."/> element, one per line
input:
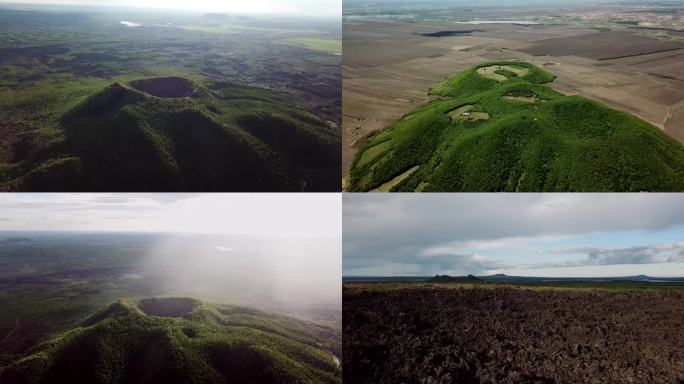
<point x="178" y="340"/>
<point x="497" y="127"/>
<point x="174" y="134"/>
<point x="325" y="45"/>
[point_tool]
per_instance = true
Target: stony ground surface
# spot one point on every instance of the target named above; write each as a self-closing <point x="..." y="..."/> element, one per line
<point x="512" y="335"/>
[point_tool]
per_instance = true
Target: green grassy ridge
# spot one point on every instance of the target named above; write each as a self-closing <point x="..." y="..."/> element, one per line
<point x="209" y="344"/>
<point x="556" y="143"/>
<point x="224" y="137"/>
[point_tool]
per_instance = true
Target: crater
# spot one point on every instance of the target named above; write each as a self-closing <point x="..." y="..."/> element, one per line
<point x="468" y="112"/>
<point x="167" y="307"/>
<point x="498" y="72"/>
<point x="166" y="87"/>
<point x="189" y="332"/>
<point x="520" y="95"/>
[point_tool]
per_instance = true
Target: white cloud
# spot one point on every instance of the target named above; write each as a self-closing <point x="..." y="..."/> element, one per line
<point x="430" y="231"/>
<point x="285" y="215"/>
<point x="640" y="254"/>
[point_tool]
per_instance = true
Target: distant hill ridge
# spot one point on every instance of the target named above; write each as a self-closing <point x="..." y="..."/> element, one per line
<point x="455" y="279"/>
<point x="512" y="279"/>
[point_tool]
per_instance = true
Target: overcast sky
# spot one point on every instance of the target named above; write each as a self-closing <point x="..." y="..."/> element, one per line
<point x="289" y="215"/>
<point x="516" y="234"/>
<point x="320" y="8"/>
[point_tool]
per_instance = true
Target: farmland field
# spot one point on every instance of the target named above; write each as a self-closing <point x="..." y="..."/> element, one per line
<point x="627" y="56"/>
<point x="498" y="333"/>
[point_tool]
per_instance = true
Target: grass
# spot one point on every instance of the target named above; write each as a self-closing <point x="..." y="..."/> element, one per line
<point x="324" y="45"/>
<point x="502" y="72"/>
<point x="357" y="287"/>
<point x="535" y="140"/>
<point x="374" y="152"/>
<point x="392" y="183"/>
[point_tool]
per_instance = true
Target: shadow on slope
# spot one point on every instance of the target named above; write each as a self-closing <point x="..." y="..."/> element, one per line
<point x="210" y="344"/>
<point x="191" y="138"/>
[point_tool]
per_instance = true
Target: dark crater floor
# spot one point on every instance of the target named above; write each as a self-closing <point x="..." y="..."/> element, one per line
<point x="167" y="307"/>
<point x="167" y="87"/>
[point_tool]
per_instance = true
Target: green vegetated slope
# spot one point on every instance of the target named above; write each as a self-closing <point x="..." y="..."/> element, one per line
<point x="176" y="134"/>
<point x="496" y="127"/>
<point x="178" y="340"/>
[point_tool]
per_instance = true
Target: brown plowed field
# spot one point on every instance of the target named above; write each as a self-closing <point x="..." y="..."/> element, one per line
<point x="512" y="335"/>
<point x="389" y="65"/>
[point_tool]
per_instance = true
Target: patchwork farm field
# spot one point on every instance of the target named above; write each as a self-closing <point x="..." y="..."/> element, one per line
<point x="224" y="111"/>
<point x="440" y="333"/>
<point x="627" y="56"/>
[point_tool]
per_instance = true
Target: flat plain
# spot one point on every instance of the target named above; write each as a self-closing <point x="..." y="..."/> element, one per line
<point x="627" y="56"/>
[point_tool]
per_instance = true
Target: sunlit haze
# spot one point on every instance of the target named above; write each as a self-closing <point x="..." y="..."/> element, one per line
<point x="320" y="8"/>
<point x="269" y="250"/>
<point x="286" y="215"/>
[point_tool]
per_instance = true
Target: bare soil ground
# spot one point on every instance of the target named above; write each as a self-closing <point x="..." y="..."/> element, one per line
<point x="602" y="45"/>
<point x="512" y="335"/>
<point x="389" y="65"/>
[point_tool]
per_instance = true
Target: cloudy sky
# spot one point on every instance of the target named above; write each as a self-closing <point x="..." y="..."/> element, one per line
<point x="323" y="8"/>
<point x="516" y="234"/>
<point x="287" y="215"/>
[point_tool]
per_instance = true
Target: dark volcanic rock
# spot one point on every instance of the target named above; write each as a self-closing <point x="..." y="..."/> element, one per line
<point x="508" y="335"/>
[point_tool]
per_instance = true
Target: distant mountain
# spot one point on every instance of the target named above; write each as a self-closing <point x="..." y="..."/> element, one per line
<point x="178" y="340"/>
<point x="454" y="279"/>
<point x="528" y="279"/>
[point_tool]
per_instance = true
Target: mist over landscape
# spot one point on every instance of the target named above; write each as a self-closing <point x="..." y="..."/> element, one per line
<point x="243" y="260"/>
<point x="307" y="8"/>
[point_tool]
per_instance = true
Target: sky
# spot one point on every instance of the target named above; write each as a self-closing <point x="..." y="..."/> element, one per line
<point x="319" y="8"/>
<point x="283" y="215"/>
<point x="555" y="235"/>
